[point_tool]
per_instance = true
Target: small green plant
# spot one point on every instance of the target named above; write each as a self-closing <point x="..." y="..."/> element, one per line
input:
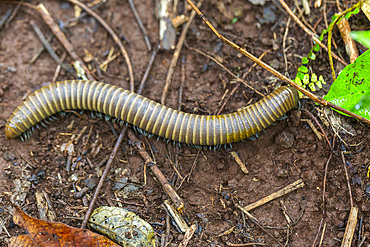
<point x="303" y="77"/>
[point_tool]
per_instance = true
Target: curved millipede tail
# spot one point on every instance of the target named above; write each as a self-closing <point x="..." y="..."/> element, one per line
<point x="148" y="115"/>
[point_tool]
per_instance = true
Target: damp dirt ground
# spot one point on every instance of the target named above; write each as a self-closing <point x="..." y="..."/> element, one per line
<point x="211" y="184"/>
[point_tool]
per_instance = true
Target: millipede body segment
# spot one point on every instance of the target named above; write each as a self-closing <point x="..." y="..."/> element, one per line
<point x="149" y="115"/>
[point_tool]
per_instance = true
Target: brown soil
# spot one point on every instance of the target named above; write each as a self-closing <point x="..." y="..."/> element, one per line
<point x="216" y="183"/>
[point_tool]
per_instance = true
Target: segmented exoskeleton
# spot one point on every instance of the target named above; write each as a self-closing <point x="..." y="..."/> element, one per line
<point x="149" y="115"/>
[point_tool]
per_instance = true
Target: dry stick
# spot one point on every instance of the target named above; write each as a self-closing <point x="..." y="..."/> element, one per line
<point x="142" y="28"/>
<point x="41" y="49"/>
<point x="284" y="44"/>
<point x="275" y="72"/>
<point x="176" y="56"/>
<point x="322" y="235"/>
<point x="188" y="235"/>
<point x="57" y="70"/>
<point x="347" y="177"/>
<point x="318" y="233"/>
<point x="309" y="32"/>
<point x="15" y="11"/>
<point x="114" y="36"/>
<point x="227" y="99"/>
<point x="291" y="187"/>
<point x="177" y="201"/>
<point x="21" y="3"/>
<point x="228" y="71"/>
<point x="324" y="183"/>
<point x="253" y="219"/>
<point x="246" y="244"/>
<point x="5" y="17"/>
<point x="62" y="38"/>
<point x="351" y="48"/>
<point x="146" y="74"/>
<point x="49" y="49"/>
<point x="350" y="228"/>
<point x="102" y="178"/>
<point x="322" y="130"/>
<point x="330" y="34"/>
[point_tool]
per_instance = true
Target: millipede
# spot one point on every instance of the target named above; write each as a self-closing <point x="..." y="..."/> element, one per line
<point x="148" y="115"/>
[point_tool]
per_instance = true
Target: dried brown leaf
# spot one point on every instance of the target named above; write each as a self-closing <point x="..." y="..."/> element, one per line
<point x="46" y="233"/>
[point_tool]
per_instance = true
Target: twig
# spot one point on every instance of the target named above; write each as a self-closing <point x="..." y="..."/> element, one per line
<point x="321" y="128"/>
<point x="15" y="11"/>
<point x="142" y="28"/>
<point x="176" y="56"/>
<point x="62" y="38"/>
<point x="41" y="49"/>
<point x="49" y="49"/>
<point x="322" y="235"/>
<point x="179" y="220"/>
<point x="102" y="178"/>
<point x="275" y="72"/>
<point x="114" y="36"/>
<point x="57" y="70"/>
<point x="188" y="235"/>
<point x="284" y="44"/>
<point x="324" y="183"/>
<point x="177" y="201"/>
<point x="318" y="233"/>
<point x="146" y="74"/>
<point x="5" y="17"/>
<point x="239" y="162"/>
<point x="351" y="48"/>
<point x="254" y="220"/>
<point x="245" y="244"/>
<point x="309" y="32"/>
<point x="193" y="166"/>
<point x="228" y="98"/>
<point x="347" y="177"/>
<point x="350" y="228"/>
<point x="291" y="187"/>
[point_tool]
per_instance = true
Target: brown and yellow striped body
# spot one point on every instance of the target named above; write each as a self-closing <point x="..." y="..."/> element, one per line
<point x="149" y="115"/>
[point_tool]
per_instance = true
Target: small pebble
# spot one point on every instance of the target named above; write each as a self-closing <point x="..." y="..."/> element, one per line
<point x="73" y="178"/>
<point x="34" y="179"/>
<point x="282" y="173"/>
<point x="285" y="139"/>
<point x="82" y="192"/>
<point x="90" y="182"/>
<point x="9" y="155"/>
<point x="41" y="174"/>
<point x="11" y="69"/>
<point x="367" y="190"/>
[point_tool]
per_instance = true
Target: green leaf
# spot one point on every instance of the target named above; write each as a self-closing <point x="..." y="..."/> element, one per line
<point x="305" y="60"/>
<point x="311" y="54"/>
<point x="312" y="87"/>
<point x="303" y="69"/>
<point x="298" y="81"/>
<point x="314" y="77"/>
<point x="306" y="79"/>
<point x="300" y="75"/>
<point x="352" y="87"/>
<point x="362" y="37"/>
